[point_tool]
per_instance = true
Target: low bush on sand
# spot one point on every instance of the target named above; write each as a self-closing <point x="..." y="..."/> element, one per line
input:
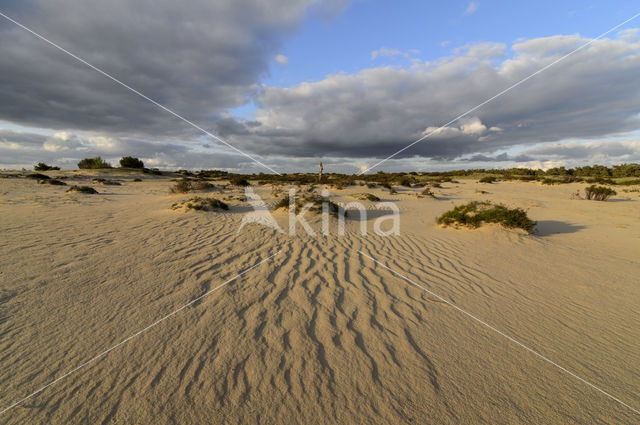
<point x="366" y="197"/>
<point x="405" y="181"/>
<point x="106" y="182"/>
<point x="201" y="204"/>
<point x="41" y="166"/>
<point x="181" y="186"/>
<point x="550" y="182"/>
<point x="239" y="181"/>
<point x="53" y="182"/>
<point x="316" y="204"/>
<point x="37" y="176"/>
<point x="386" y="186"/>
<point x="428" y="192"/>
<point x="488" y="179"/>
<point x="82" y="189"/>
<point x="598" y="193"/>
<point x="475" y="213"/>
<point x="137" y="180"/>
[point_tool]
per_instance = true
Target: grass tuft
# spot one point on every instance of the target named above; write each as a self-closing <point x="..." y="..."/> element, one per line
<point x="82" y="189"/>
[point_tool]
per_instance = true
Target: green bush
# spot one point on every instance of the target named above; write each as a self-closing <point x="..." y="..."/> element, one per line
<point x="475" y="213"/>
<point x="106" y="182"/>
<point x="41" y="166"/>
<point x="239" y="181"/>
<point x="131" y="162"/>
<point x="366" y="197"/>
<point x="488" y="179"/>
<point x="93" y="163"/>
<point x="182" y="186"/>
<point x="82" y="189"/>
<point x="202" y="204"/>
<point x="428" y="192"/>
<point x="598" y="193"/>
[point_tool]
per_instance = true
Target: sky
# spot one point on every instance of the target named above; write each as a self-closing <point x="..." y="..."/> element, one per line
<point x="346" y="82"/>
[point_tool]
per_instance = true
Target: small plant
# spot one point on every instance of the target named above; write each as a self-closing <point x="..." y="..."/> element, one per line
<point x="429" y="193"/>
<point x="393" y="191"/>
<point x="482" y="192"/>
<point x="41" y="166"/>
<point x="201" y="185"/>
<point x="475" y="213"/>
<point x="488" y="179"/>
<point x="106" y="182"/>
<point x="239" y="181"/>
<point x="598" y="193"/>
<point x="131" y="162"/>
<point x="37" y="176"/>
<point x="366" y="197"/>
<point x="405" y="181"/>
<point x="93" y="163"/>
<point x="371" y="185"/>
<point x="53" y="182"/>
<point x="181" y="186"/>
<point x="201" y="204"/>
<point x="386" y="186"/>
<point x="137" y="180"/>
<point x="82" y="189"/>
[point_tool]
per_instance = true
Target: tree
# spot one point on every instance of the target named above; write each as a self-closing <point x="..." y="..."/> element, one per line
<point x="131" y="162"/>
<point x="93" y="163"/>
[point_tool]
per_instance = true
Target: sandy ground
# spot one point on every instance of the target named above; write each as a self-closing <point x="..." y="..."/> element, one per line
<point x="320" y="333"/>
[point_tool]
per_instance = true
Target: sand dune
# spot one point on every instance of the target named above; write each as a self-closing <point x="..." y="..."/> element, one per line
<point x="319" y="334"/>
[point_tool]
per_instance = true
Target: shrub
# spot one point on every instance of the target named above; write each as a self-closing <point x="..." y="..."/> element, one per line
<point x="239" y="181"/>
<point x="548" y="181"/>
<point x="405" y="181"/>
<point x="201" y="185"/>
<point x="598" y="193"/>
<point x="41" y="166"/>
<point x="37" y="176"/>
<point x="82" y="189"/>
<point x="137" y="180"/>
<point x="475" y="213"/>
<point x="366" y="197"/>
<point x="106" y="182"/>
<point x="282" y="203"/>
<point x="393" y="191"/>
<point x="429" y="193"/>
<point x="386" y="186"/>
<point x="53" y="182"/>
<point x="131" y="162"/>
<point x="181" y="186"/>
<point x="488" y="179"/>
<point x="371" y="185"/>
<point x="202" y="204"/>
<point x="93" y="163"/>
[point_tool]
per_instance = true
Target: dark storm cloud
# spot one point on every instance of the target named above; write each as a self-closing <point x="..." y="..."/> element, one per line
<point x="198" y="58"/>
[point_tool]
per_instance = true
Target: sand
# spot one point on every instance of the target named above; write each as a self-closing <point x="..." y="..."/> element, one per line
<point x="319" y="333"/>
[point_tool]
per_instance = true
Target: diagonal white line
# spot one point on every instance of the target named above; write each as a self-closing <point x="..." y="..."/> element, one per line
<point x="502" y="333"/>
<point x="137" y="92"/>
<point x="501" y="93"/>
<point x="137" y="333"/>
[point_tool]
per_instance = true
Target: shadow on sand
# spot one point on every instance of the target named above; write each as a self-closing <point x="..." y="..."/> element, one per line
<point x="553" y="227"/>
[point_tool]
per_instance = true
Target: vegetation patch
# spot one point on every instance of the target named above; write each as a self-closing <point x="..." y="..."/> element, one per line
<point x="428" y="192"/>
<point x="201" y="204"/>
<point x="82" y="189"/>
<point x="488" y="179"/>
<point x="41" y="166"/>
<point x="131" y="162"/>
<point x="475" y="213"/>
<point x="53" y="182"/>
<point x="598" y="193"/>
<point x="366" y="197"/>
<point x="93" y="164"/>
<point x="316" y="201"/>
<point x="239" y="181"/>
<point x="106" y="182"/>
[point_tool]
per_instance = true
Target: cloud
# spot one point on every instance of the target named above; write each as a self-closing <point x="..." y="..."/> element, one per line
<point x="377" y="111"/>
<point x="282" y="59"/>
<point x="472" y="7"/>
<point x="198" y="59"/>
<point x="388" y="52"/>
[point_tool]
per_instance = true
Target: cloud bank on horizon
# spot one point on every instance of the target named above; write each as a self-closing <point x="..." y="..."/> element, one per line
<point x="205" y="60"/>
